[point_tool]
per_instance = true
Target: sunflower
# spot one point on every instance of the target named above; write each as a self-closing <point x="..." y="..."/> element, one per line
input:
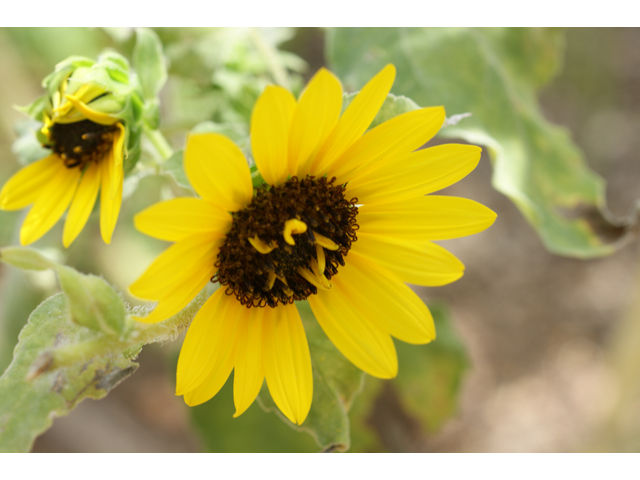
<point x="87" y="117"/>
<point x="342" y="222"/>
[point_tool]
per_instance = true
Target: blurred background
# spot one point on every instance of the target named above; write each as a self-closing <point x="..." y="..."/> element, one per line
<point x="535" y="351"/>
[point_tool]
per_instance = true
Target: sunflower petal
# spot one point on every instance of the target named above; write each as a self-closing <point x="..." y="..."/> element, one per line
<point x="385" y="300"/>
<point x="356" y="118"/>
<point x="179" y="218"/>
<point x="218" y="170"/>
<point x="82" y="204"/>
<point x="287" y="362"/>
<point x="109" y="205"/>
<point x="117" y="153"/>
<point x="183" y="294"/>
<point x="249" y="371"/>
<point x="427" y="218"/>
<point x="91" y="114"/>
<point x="26" y="185"/>
<point x="398" y="136"/>
<point x="315" y="117"/>
<point x="270" y="122"/>
<point x="177" y="266"/>
<point x="53" y="201"/>
<point x="365" y="344"/>
<point x="206" y="357"/>
<point x="418" y="262"/>
<point x="414" y="174"/>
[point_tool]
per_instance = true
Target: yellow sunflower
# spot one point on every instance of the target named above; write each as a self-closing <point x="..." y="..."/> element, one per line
<point x="87" y="154"/>
<point x="342" y="221"/>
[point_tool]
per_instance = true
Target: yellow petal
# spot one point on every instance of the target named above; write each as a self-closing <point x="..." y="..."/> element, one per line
<point x="117" y="151"/>
<point x="109" y="204"/>
<point x="176" y="301"/>
<point x="87" y="92"/>
<point x="383" y="299"/>
<point x="356" y="118"/>
<point x="178" y="267"/>
<point x="414" y="261"/>
<point x="53" y="201"/>
<point x="82" y="204"/>
<point x="365" y="344"/>
<point x="270" y="122"/>
<point x="176" y="219"/>
<point x="25" y="186"/>
<point x="414" y="174"/>
<point x="218" y="170"/>
<point x="398" y="136"/>
<point x="249" y="371"/>
<point x="315" y="116"/>
<point x="90" y="113"/>
<point x="427" y="218"/>
<point x="206" y="358"/>
<point x="287" y="362"/>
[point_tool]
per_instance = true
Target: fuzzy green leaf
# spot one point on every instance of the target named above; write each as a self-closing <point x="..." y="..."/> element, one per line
<point x="149" y="63"/>
<point x="31" y="395"/>
<point x="93" y="302"/>
<point x="495" y="74"/>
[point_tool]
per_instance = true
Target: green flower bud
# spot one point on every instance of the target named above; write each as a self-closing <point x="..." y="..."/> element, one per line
<point x="98" y="93"/>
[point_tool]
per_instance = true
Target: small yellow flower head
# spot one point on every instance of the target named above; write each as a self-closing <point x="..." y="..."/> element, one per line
<point x="91" y="124"/>
<point x="344" y="219"/>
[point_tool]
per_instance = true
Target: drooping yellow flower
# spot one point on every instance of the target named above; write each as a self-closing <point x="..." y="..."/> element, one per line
<point x="343" y="222"/>
<point x="91" y="116"/>
<point x="87" y="157"/>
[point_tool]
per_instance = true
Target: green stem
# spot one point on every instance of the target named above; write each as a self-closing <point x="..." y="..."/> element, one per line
<point x="159" y="142"/>
<point x="270" y="56"/>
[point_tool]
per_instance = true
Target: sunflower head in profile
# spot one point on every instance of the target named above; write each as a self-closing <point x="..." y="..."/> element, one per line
<point x="342" y="221"/>
<point x="90" y="119"/>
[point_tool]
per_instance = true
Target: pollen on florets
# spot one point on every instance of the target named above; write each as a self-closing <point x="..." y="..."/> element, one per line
<point x="288" y="242"/>
<point x="79" y="143"/>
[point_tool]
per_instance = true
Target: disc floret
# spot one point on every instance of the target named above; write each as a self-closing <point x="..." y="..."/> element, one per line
<point x="288" y="242"/>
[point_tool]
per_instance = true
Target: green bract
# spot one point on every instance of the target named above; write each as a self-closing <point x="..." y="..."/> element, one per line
<point x="107" y="85"/>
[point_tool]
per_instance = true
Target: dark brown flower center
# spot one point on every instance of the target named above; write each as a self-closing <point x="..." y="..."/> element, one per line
<point x="79" y="143"/>
<point x="288" y="242"/>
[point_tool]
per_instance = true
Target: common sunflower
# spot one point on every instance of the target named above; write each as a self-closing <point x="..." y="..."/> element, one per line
<point x="342" y="221"/>
<point x="87" y="147"/>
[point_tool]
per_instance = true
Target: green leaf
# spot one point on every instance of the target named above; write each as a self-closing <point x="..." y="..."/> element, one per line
<point x="93" y="302"/>
<point x="336" y="382"/>
<point x="149" y="62"/>
<point x="495" y="75"/>
<point x="26" y="259"/>
<point x="75" y="345"/>
<point x="430" y="376"/>
<point x="31" y="395"/>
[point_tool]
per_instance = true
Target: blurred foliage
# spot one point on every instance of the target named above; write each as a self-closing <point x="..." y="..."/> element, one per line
<point x="30" y="396"/>
<point x="430" y="376"/>
<point x="217" y="74"/>
<point x="495" y="74"/>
